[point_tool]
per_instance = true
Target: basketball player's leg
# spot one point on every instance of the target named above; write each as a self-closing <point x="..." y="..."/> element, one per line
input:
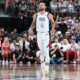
<point x="46" y="52"/>
<point x="41" y="47"/>
<point x="47" y="60"/>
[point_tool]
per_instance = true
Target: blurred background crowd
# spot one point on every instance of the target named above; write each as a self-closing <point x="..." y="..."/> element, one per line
<point x="22" y="47"/>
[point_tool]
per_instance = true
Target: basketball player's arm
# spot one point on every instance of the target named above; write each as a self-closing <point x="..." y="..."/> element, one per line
<point x="52" y="22"/>
<point x="33" y="24"/>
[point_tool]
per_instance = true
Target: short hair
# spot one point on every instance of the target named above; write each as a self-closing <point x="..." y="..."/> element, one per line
<point x="17" y="45"/>
<point x="42" y="2"/>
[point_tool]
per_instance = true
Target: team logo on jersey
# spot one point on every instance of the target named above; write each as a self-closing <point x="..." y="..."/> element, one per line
<point x="42" y="19"/>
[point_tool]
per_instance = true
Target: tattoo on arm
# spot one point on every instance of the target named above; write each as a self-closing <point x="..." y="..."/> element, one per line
<point x="33" y="23"/>
<point x="52" y="21"/>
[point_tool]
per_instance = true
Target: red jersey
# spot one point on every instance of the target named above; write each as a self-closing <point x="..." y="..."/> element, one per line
<point x="6" y="46"/>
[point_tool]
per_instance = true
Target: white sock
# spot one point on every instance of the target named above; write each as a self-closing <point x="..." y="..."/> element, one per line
<point x="6" y="62"/>
<point x="3" y="62"/>
<point x="47" y="68"/>
<point x="42" y="68"/>
<point x="43" y="65"/>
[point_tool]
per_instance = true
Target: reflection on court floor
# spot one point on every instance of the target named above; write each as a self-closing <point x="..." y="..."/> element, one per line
<point x="33" y="72"/>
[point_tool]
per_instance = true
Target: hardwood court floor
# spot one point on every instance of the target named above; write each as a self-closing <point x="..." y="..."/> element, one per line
<point x="26" y="72"/>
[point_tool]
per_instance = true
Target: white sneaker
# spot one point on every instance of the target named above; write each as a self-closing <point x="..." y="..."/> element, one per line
<point x="65" y="62"/>
<point x="46" y="73"/>
<point x="3" y="62"/>
<point x="11" y="62"/>
<point x="28" y="63"/>
<point x="43" y="69"/>
<point x="6" y="62"/>
<point x="21" y="62"/>
<point x="46" y="70"/>
<point x="74" y="62"/>
<point x="44" y="78"/>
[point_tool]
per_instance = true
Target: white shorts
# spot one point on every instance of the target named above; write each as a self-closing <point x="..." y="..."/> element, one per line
<point x="43" y="42"/>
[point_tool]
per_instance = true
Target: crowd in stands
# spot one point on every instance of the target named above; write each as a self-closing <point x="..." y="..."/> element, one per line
<point x="17" y="47"/>
<point x="21" y="7"/>
<point x="64" y="43"/>
<point x="29" y="7"/>
<point x="65" y="7"/>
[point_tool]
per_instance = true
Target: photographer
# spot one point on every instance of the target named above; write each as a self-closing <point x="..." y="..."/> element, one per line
<point x="56" y="53"/>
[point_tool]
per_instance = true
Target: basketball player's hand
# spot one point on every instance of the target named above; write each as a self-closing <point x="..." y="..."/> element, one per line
<point x="52" y="32"/>
<point x="30" y="31"/>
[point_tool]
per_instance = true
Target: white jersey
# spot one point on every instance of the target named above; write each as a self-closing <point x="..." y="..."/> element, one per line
<point x="42" y="22"/>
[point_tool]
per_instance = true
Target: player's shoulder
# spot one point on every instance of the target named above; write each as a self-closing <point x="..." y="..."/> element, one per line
<point x="35" y="15"/>
<point x="50" y="14"/>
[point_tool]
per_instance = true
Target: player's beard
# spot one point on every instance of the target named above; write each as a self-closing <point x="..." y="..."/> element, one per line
<point x="41" y="9"/>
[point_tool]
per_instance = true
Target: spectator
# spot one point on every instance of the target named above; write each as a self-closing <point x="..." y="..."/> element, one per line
<point x="79" y="46"/>
<point x="9" y="6"/>
<point x="62" y="4"/>
<point x="3" y="33"/>
<point x="75" y="35"/>
<point x="31" y="7"/>
<point x="23" y="6"/>
<point x="22" y="12"/>
<point x="24" y="45"/>
<point x="17" y="54"/>
<point x="56" y="43"/>
<point x="33" y="47"/>
<point x="56" y="54"/>
<point x="65" y="47"/>
<point x="5" y="50"/>
<point x="12" y="45"/>
<point x="62" y="27"/>
<point x="0" y="49"/>
<point x="76" y="24"/>
<point x="16" y="8"/>
<point x="12" y="49"/>
<point x="71" y="7"/>
<point x="70" y="22"/>
<point x="72" y="51"/>
<point x="33" y="44"/>
<point x="28" y="57"/>
<point x="53" y="6"/>
<point x="14" y="34"/>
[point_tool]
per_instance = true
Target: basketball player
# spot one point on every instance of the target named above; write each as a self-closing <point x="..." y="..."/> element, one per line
<point x="41" y="21"/>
